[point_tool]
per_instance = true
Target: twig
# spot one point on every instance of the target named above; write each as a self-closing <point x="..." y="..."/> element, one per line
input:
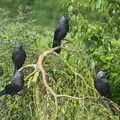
<point x="44" y="76"/>
<point x="30" y="65"/>
<point x="30" y="75"/>
<point x="78" y="98"/>
<point x="40" y="66"/>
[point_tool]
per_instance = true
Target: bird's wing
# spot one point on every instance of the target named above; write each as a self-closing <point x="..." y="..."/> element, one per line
<point x="108" y="90"/>
<point x="55" y="40"/>
<point x="57" y="31"/>
<point x="3" y="92"/>
<point x="24" y="54"/>
<point x="95" y="83"/>
<point x="14" y="54"/>
<point x="18" y="79"/>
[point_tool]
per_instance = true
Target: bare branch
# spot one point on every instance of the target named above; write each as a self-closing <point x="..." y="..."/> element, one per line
<point x="30" y="65"/>
<point x="40" y="66"/>
<point x="44" y="76"/>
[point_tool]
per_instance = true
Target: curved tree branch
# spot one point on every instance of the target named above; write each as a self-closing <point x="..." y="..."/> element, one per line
<point x="30" y="65"/>
<point x="44" y="76"/>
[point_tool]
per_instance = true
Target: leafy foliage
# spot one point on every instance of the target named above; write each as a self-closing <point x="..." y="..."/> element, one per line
<point x="71" y="73"/>
<point x="104" y="52"/>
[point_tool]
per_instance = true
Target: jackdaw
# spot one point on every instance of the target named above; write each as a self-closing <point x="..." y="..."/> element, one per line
<point x="15" y="86"/>
<point x="18" y="56"/>
<point x="60" y="32"/>
<point x="101" y="84"/>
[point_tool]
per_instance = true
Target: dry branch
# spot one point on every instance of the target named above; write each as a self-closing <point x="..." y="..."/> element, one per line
<point x="44" y="77"/>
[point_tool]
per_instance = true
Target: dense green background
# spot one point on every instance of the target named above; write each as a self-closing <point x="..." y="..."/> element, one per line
<point x="73" y="71"/>
<point x="45" y="12"/>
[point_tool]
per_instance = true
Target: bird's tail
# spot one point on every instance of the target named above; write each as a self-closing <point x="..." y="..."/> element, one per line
<point x="3" y="92"/>
<point x="56" y="44"/>
<point x="58" y="51"/>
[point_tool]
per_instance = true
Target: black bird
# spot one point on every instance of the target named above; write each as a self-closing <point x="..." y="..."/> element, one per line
<point x="15" y="86"/>
<point x="1" y="71"/>
<point x="18" y="56"/>
<point x="61" y="31"/>
<point x="101" y="84"/>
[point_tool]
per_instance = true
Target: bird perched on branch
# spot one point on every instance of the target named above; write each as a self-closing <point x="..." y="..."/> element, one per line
<point x="18" y="56"/>
<point x="60" y="32"/>
<point x="101" y="84"/>
<point x="15" y="86"/>
<point x="1" y="71"/>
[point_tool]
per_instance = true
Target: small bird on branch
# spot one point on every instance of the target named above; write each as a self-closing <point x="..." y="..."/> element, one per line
<point x="15" y="86"/>
<point x="18" y="56"/>
<point x="60" y="32"/>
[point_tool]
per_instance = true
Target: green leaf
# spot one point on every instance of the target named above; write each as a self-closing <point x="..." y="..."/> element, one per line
<point x="98" y="4"/>
<point x="70" y="8"/>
